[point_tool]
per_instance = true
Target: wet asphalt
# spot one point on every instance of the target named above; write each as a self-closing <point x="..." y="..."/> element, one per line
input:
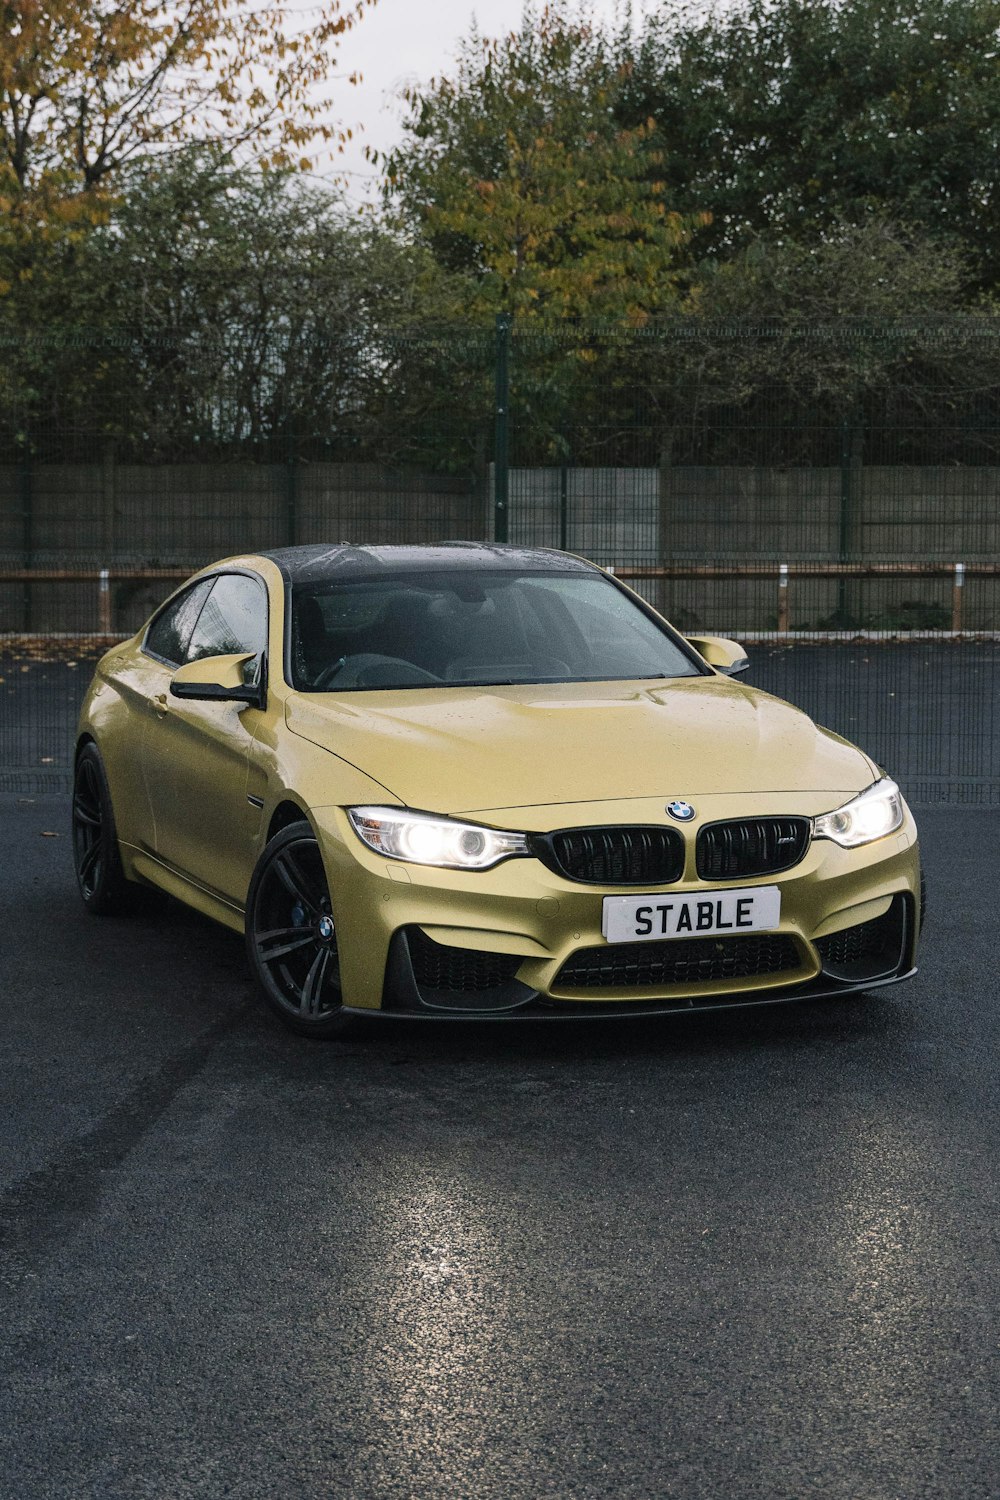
<point x="746" y="1255"/>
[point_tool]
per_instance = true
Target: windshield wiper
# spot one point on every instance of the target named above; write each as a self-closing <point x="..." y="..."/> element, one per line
<point x="329" y="673"/>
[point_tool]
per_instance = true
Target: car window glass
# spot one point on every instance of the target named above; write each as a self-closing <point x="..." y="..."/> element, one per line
<point x="476" y="627"/>
<point x="611" y="628"/>
<point x="170" y="632"/>
<point x="234" y="619"/>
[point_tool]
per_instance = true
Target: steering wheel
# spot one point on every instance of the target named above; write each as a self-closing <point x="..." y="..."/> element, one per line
<point x="364" y="668"/>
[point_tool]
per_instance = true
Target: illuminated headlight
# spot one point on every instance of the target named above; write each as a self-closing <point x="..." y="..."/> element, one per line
<point x="871" y="816"/>
<point x="425" y="840"/>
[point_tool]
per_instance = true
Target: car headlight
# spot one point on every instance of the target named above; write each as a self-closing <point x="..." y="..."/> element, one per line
<point x="870" y="816"/>
<point x="423" y="839"/>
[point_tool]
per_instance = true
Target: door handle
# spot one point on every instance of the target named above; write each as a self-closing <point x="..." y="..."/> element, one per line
<point x="160" y="705"/>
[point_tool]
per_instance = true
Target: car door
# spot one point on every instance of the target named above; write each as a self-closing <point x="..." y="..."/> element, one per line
<point x="140" y="678"/>
<point x="195" y="754"/>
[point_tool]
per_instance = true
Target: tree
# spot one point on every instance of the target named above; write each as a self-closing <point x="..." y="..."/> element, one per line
<point x="517" y="176"/>
<point x="89" y="86"/>
<point x="789" y="117"/>
<point x="228" y="305"/>
<point x="196" y="248"/>
<point x="802" y="306"/>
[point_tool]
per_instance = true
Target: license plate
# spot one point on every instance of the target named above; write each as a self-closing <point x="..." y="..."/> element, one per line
<point x="639" y="919"/>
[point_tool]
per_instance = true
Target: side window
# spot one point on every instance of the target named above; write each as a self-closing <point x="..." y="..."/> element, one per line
<point x="234" y="619"/>
<point x="170" y="632"/>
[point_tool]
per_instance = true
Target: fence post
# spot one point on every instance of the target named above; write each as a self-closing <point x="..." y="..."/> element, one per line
<point x="665" y="517"/>
<point x="501" y="457"/>
<point x="104" y="602"/>
<point x="851" y="441"/>
<point x="27" y="525"/>
<point x="291" y="488"/>
<point x="956" y="598"/>
<point x="109" y="486"/>
<point x="782" y="598"/>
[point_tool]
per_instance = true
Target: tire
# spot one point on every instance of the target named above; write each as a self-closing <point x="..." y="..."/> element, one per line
<point x="99" y="876"/>
<point x="290" y="935"/>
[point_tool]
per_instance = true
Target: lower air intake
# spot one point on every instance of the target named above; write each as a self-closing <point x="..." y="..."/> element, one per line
<point x="462" y="970"/>
<point x="868" y="950"/>
<point x="685" y="962"/>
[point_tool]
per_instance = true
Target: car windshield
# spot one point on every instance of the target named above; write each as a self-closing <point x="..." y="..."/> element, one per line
<point x="474" y="628"/>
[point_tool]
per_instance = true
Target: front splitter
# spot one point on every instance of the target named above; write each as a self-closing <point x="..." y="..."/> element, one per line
<point x="622" y="1010"/>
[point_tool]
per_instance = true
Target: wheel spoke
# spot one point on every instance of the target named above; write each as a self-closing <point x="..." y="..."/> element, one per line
<point x="313" y="987"/>
<point x="89" y="860"/>
<point x="291" y="877"/>
<point x="86" y="814"/>
<point x="300" y="938"/>
<point x="293" y="945"/>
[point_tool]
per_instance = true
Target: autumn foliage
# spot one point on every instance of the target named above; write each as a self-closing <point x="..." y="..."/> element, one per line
<point x="517" y="173"/>
<point x="88" y="86"/>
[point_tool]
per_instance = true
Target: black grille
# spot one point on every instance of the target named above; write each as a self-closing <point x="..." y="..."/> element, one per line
<point x="688" y="961"/>
<point x="436" y="967"/>
<point x="751" y="846"/>
<point x="615" y="856"/>
<point x="868" y="949"/>
<point x="867" y="940"/>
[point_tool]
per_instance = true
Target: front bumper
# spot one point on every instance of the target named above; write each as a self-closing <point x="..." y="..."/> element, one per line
<point x="410" y="936"/>
<point x="535" y="1010"/>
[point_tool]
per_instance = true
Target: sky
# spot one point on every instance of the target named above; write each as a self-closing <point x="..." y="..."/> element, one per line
<point x="408" y="41"/>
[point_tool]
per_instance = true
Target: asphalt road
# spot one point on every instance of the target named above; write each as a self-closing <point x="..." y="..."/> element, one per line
<point x="927" y="710"/>
<point x="749" y="1255"/>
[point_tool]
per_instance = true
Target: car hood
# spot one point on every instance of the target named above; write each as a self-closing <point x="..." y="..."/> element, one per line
<point x="465" y="750"/>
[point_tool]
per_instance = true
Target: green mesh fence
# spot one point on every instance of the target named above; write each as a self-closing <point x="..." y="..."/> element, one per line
<point x="829" y="495"/>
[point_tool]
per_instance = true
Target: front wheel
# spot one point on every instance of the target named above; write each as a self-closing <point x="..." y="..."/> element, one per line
<point x="98" y="864"/>
<point x="290" y="935"/>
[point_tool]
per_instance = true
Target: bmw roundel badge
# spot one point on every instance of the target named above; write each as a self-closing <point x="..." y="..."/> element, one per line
<point x="682" y="811"/>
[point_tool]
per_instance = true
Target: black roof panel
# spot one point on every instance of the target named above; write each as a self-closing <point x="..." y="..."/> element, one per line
<point x="346" y="560"/>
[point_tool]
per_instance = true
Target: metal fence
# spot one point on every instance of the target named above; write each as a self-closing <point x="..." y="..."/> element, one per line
<point x="830" y="496"/>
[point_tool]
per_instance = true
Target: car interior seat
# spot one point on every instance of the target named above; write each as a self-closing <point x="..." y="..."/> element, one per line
<point x="311" y="646"/>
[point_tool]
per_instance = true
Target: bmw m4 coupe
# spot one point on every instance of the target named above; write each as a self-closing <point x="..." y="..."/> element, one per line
<point x="475" y="781"/>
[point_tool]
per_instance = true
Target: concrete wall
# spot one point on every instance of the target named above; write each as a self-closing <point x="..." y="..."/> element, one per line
<point x="890" y="514"/>
<point x="186" y="514"/>
<point x="873" y="514"/>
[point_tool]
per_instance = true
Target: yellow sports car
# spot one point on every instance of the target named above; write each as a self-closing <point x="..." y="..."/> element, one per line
<point x="482" y="781"/>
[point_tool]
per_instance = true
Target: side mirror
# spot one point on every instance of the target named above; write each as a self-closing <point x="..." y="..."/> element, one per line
<point x="218" y="679"/>
<point x="727" y="657"/>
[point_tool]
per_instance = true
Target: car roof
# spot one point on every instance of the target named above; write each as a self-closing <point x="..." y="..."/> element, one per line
<point x="349" y="560"/>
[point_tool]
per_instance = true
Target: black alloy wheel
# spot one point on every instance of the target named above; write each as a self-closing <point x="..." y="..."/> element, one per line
<point x="291" y="938"/>
<point x="95" y="843"/>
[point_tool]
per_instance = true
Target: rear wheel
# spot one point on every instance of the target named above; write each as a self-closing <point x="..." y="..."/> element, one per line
<point x="99" y="875"/>
<point x="291" y="938"/>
